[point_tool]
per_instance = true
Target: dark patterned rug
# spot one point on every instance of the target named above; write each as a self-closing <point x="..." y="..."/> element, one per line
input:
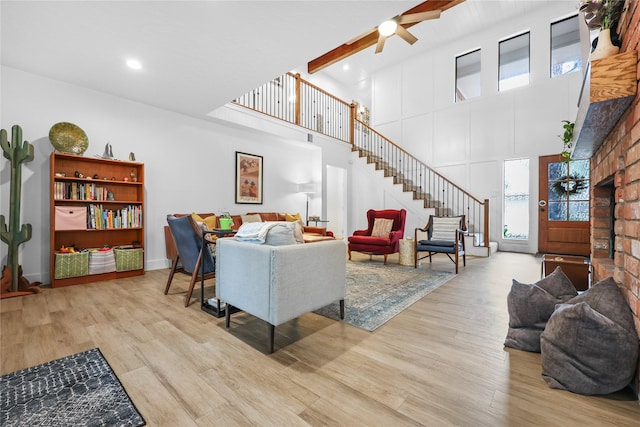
<point x="77" y="390"/>
<point x="377" y="292"/>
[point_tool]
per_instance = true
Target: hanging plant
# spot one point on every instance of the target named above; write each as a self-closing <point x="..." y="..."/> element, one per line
<point x="567" y="140"/>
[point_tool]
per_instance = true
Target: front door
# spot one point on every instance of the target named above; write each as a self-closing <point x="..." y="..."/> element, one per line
<point x="563" y="207"/>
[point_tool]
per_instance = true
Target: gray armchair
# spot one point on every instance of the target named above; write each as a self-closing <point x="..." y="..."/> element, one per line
<point x="280" y="283"/>
<point x="441" y="235"/>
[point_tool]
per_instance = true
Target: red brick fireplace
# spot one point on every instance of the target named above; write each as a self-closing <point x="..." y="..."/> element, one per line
<point x="615" y="173"/>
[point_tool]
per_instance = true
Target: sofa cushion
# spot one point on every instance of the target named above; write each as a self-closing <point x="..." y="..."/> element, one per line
<point x="251" y="218"/>
<point x="211" y="221"/>
<point x="381" y="227"/>
<point x="282" y="233"/>
<point x="590" y="345"/>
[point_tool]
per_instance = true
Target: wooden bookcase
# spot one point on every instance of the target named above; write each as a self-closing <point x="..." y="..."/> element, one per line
<point x="85" y="182"/>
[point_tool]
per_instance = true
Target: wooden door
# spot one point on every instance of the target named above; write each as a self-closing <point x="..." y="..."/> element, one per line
<point x="563" y="207"/>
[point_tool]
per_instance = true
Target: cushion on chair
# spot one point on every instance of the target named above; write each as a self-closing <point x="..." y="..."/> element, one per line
<point x="590" y="345"/>
<point x="444" y="228"/>
<point x="282" y="233"/>
<point x="531" y="305"/>
<point x="369" y="240"/>
<point x="381" y="227"/>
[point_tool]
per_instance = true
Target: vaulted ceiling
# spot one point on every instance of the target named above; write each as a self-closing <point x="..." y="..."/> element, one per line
<point x="199" y="55"/>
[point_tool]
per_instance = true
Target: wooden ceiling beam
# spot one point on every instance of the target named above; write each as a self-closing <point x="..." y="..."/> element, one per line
<point x="346" y="50"/>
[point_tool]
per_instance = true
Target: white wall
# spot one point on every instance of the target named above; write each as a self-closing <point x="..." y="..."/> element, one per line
<point x="413" y="105"/>
<point x="189" y="163"/>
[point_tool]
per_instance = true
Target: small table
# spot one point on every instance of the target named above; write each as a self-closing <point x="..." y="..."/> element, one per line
<point x="406" y="252"/>
<point x="316" y="221"/>
<point x="576" y="268"/>
<point x="215" y="310"/>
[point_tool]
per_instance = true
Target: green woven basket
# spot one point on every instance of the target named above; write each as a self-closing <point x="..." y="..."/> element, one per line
<point x="128" y="258"/>
<point x="71" y="265"/>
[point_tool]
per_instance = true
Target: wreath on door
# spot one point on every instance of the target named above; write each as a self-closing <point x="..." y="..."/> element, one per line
<point x="571" y="184"/>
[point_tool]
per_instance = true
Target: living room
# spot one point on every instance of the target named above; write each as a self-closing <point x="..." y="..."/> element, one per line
<point x="167" y="140"/>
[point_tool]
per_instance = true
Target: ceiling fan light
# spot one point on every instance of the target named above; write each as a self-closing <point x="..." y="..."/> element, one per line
<point x="387" y="28"/>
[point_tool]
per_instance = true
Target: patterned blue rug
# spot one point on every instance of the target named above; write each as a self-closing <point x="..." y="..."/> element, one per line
<point x="77" y="390"/>
<point x="378" y="292"/>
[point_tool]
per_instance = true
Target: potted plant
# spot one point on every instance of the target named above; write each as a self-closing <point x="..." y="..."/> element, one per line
<point x="567" y="140"/>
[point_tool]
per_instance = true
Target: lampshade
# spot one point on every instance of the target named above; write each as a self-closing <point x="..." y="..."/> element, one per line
<point x="308" y="188"/>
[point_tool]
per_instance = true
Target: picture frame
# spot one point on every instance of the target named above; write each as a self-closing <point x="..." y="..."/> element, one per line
<point x="248" y="178"/>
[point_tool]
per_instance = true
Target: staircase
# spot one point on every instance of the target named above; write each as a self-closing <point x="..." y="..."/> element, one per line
<point x="317" y="110"/>
<point x="426" y="185"/>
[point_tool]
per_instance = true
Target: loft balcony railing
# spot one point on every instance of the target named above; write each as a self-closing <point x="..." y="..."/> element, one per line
<point x="294" y="100"/>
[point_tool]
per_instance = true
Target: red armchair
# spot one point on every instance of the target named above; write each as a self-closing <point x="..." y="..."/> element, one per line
<point x="378" y="242"/>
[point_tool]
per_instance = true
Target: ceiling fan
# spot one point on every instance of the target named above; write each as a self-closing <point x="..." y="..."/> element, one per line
<point x="395" y="25"/>
<point x="430" y="9"/>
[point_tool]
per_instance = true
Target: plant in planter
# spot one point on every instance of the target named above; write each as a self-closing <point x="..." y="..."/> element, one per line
<point x="567" y="140"/>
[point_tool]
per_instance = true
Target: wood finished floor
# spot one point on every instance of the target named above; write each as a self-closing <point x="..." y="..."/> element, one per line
<point x="440" y="362"/>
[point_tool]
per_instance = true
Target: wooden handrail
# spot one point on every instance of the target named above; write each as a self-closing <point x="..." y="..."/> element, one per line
<point x="424" y="164"/>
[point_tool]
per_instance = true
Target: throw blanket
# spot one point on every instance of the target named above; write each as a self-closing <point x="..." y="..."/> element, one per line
<point x="255" y="232"/>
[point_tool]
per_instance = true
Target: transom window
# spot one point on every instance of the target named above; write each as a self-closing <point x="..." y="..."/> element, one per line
<point x="514" y="62"/>
<point x="565" y="47"/>
<point x="468" y="75"/>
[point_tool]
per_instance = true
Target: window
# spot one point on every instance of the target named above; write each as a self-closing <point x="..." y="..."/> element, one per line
<point x="468" y="75"/>
<point x="565" y="47"/>
<point x="514" y="62"/>
<point x="569" y="191"/>
<point x="516" y="199"/>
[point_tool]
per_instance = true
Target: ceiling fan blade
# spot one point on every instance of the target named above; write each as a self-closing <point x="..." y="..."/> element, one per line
<point x="380" y="45"/>
<point x="419" y="17"/>
<point x="361" y="36"/>
<point x="406" y="35"/>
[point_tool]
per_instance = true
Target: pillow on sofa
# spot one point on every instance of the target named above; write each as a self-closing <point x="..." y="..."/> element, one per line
<point x="531" y="305"/>
<point x="381" y="227"/>
<point x="210" y="222"/>
<point x="251" y="218"/>
<point x="281" y="233"/>
<point x="590" y="345"/>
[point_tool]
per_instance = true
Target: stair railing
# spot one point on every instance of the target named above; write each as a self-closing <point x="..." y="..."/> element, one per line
<point x="294" y="100"/>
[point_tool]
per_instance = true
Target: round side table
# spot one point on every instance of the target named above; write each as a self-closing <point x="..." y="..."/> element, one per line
<point x="406" y="252"/>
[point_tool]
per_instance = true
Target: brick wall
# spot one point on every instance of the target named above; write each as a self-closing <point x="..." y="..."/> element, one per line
<point x="618" y="160"/>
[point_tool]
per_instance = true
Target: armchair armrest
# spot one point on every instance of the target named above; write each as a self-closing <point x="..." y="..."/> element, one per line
<point x="361" y="233"/>
<point x="395" y="236"/>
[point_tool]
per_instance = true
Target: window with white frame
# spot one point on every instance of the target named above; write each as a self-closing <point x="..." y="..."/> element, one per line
<point x="514" y="64"/>
<point x="565" y="47"/>
<point x="468" y="76"/>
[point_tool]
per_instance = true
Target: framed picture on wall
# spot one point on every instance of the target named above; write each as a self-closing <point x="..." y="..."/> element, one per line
<point x="248" y="178"/>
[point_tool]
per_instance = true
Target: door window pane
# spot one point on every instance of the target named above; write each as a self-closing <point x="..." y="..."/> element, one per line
<point x="565" y="47"/>
<point x="568" y="195"/>
<point x="468" y="76"/>
<point x="514" y="62"/>
<point x="516" y="199"/>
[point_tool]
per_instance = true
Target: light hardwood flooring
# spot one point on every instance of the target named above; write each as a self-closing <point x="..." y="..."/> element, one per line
<point x="440" y="362"/>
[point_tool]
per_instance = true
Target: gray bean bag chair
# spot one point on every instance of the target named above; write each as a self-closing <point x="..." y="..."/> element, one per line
<point x="531" y="305"/>
<point x="590" y="345"/>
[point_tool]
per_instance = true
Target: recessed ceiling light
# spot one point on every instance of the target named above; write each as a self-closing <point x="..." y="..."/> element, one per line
<point x="345" y="67"/>
<point x="134" y="64"/>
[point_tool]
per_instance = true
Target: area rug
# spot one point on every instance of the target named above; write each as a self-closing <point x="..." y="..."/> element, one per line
<point x="377" y="292"/>
<point x="77" y="390"/>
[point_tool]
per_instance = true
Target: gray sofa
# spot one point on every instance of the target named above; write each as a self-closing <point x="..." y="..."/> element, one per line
<point x="280" y="283"/>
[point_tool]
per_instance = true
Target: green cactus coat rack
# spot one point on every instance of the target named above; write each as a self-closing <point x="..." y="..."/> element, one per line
<point x="17" y="152"/>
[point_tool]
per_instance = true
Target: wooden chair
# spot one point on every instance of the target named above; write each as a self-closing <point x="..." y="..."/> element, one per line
<point x="441" y="235"/>
<point x="187" y="237"/>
